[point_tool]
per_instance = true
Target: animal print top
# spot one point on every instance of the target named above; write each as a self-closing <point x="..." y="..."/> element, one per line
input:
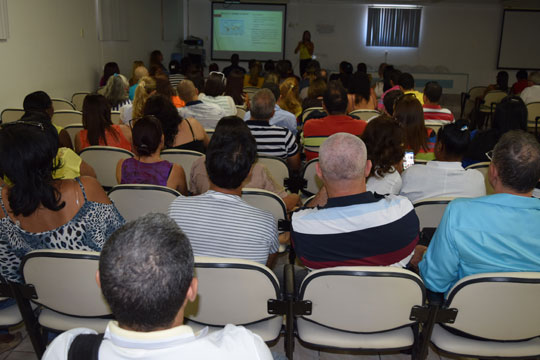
<point x="87" y="230"/>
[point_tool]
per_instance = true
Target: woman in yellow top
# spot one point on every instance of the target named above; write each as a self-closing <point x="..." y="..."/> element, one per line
<point x="306" y="48"/>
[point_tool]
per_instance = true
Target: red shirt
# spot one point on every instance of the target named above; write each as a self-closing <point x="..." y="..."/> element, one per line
<point x="318" y="130"/>
<point x="436" y="112"/>
<point x="518" y="87"/>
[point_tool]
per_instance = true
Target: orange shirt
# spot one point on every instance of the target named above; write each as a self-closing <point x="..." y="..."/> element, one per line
<point x="114" y="138"/>
<point x="177" y="102"/>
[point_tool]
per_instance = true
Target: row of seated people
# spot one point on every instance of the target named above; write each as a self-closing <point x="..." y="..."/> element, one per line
<point x="219" y="223"/>
<point x="527" y="86"/>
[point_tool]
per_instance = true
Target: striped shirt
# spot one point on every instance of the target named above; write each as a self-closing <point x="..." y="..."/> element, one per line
<point x="174" y="79"/>
<point x="224" y="225"/>
<point x="356" y="230"/>
<point x="120" y="104"/>
<point x="435" y="115"/>
<point x="273" y="140"/>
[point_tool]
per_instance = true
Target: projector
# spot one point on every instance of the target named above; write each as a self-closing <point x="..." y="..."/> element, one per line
<point x="193" y="41"/>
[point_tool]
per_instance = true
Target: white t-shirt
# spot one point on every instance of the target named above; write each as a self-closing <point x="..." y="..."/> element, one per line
<point x="441" y="179"/>
<point x="231" y="343"/>
<point x="531" y="94"/>
<point x="390" y="183"/>
<point x="225" y="102"/>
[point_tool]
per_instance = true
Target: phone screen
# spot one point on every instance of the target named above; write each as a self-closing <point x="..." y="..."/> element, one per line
<point x="408" y="160"/>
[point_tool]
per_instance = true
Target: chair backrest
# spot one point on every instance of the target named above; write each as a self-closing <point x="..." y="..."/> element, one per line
<point x="494" y="97"/>
<point x="430" y="211"/>
<point x="476" y="91"/>
<point x="65" y="281"/>
<point x="73" y="130"/>
<point x="497" y="306"/>
<point x="77" y="99"/>
<point x="250" y="91"/>
<point x="365" y="114"/>
<point x="115" y="117"/>
<point x="64" y="118"/>
<point x="533" y="110"/>
<point x="265" y="200"/>
<point x="184" y="158"/>
<point x="483" y="167"/>
<point x="104" y="160"/>
<point x="135" y="200"/>
<point x="232" y="291"/>
<point x="209" y="132"/>
<point x="240" y="111"/>
<point x="308" y="111"/>
<point x="434" y="127"/>
<point x="314" y="183"/>
<point x="363" y="299"/>
<point x="11" y="115"/>
<point x="276" y="166"/>
<point x="62" y="104"/>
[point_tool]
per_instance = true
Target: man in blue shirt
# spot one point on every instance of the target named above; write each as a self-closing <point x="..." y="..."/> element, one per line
<point x="496" y="233"/>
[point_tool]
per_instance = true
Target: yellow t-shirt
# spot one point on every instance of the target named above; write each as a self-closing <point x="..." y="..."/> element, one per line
<point x="304" y="53"/>
<point x="418" y="94"/>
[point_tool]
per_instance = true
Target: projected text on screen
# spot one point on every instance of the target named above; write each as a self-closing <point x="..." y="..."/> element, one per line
<point x="247" y="30"/>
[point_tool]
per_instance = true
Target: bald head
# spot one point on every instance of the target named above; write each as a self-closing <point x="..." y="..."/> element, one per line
<point x="187" y="90"/>
<point x="343" y="157"/>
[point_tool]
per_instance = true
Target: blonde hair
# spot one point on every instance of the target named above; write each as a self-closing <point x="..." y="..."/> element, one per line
<point x="133" y="79"/>
<point x="145" y="87"/>
<point x="289" y="99"/>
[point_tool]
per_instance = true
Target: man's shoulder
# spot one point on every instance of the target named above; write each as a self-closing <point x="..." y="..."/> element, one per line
<point x="58" y="348"/>
<point x="240" y="341"/>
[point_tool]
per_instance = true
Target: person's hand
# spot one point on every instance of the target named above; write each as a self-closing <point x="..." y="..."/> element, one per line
<point x="419" y="251"/>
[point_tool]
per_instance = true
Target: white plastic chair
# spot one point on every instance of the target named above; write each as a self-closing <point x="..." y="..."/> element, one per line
<point x="11" y="115"/>
<point x="62" y="104"/>
<point x="276" y="166"/>
<point x="483" y="167"/>
<point x="64" y="118"/>
<point x="136" y="200"/>
<point x="365" y="114"/>
<point x="115" y="117"/>
<point x="103" y="159"/>
<point x="430" y="211"/>
<point x="77" y="99"/>
<point x="73" y="130"/>
<point x="313" y="182"/>
<point x="184" y="158"/>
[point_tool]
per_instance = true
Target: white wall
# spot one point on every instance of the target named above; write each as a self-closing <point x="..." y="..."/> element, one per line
<point x="462" y="37"/>
<point x="53" y="46"/>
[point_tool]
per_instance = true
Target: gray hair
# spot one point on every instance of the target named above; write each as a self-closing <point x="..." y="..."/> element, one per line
<point x="116" y="89"/>
<point x="535" y="77"/>
<point x="262" y="105"/>
<point x="343" y="156"/>
<point x="146" y="268"/>
<point x="517" y="160"/>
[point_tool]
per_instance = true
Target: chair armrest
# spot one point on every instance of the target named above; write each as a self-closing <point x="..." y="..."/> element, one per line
<point x="435" y="298"/>
<point x="288" y="282"/>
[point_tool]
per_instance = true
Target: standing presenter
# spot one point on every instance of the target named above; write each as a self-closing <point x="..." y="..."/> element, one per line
<point x="306" y="48"/>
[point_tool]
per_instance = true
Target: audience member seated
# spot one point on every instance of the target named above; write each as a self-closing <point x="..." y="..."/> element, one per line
<point x="532" y="93"/>
<point x="417" y="138"/>
<point x="180" y="133"/>
<point x="501" y="83"/>
<point x="156" y="61"/>
<point x="254" y="78"/>
<point x="213" y="67"/>
<point x="146" y="274"/>
<point x="351" y="226"/>
<point x="272" y="77"/>
<point x="235" y="60"/>
<point x="207" y="114"/>
<point x="98" y="127"/>
<point x="145" y="88"/>
<point x="406" y="84"/>
<point x="174" y="73"/>
<point x="38" y="212"/>
<point x="281" y="117"/>
<point x="260" y="176"/>
<point x="218" y="222"/>
<point x="39" y="101"/>
<point x="116" y="91"/>
<point x="383" y="137"/>
<point x="444" y="176"/>
<point x="271" y="140"/>
<point x="308" y="77"/>
<point x="315" y="94"/>
<point x="391" y="78"/>
<point x="109" y="70"/>
<point x="390" y="101"/>
<point x="335" y="103"/>
<point x="288" y="97"/>
<point x="494" y="233"/>
<point x="361" y="95"/>
<point x="521" y="83"/>
<point x="138" y="74"/>
<point x="433" y="112"/>
<point x="134" y="79"/>
<point x="70" y="165"/>
<point x="214" y="89"/>
<point x="147" y="167"/>
<point x="163" y="87"/>
<point x="379" y="86"/>
<point x="510" y="114"/>
<point x="235" y="88"/>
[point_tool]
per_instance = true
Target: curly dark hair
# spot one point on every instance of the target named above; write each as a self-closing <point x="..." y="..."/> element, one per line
<point x="383" y="137"/>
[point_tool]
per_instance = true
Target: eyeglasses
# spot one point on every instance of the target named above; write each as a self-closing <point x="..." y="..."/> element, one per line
<point x="489" y="155"/>
<point x="22" y="122"/>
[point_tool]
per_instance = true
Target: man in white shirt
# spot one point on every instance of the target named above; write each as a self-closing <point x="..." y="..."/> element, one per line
<point x="207" y="114"/>
<point x="444" y="177"/>
<point x="146" y="275"/>
<point x="532" y="93"/>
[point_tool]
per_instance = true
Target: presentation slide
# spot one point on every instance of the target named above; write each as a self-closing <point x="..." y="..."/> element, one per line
<point x="519" y="38"/>
<point x="253" y="31"/>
